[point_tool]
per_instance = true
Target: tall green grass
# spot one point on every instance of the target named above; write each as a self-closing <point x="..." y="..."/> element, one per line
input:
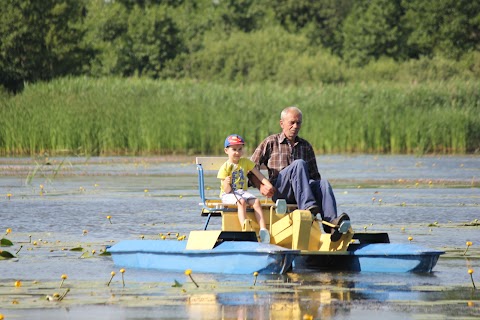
<point x="141" y="116"/>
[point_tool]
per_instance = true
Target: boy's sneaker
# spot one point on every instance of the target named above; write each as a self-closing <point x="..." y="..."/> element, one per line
<point x="264" y="236"/>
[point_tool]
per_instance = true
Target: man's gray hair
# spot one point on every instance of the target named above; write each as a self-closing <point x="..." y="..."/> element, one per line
<point x="288" y="110"/>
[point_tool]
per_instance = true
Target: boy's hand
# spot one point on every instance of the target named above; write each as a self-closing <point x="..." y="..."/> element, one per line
<point x="228" y="180"/>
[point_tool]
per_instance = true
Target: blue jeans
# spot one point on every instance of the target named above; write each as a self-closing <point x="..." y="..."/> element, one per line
<point x="293" y="185"/>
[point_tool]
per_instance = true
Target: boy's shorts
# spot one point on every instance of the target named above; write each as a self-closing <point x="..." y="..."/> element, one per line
<point x="229" y="198"/>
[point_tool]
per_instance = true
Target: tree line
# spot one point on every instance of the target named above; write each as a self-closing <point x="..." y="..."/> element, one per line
<point x="284" y="41"/>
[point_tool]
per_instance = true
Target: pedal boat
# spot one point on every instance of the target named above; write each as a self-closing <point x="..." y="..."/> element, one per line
<point x="297" y="244"/>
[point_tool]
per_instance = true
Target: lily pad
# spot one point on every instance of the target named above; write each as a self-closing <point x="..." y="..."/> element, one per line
<point x="77" y="249"/>
<point x="472" y="224"/>
<point x="86" y="254"/>
<point x="5" y="242"/>
<point x="6" y="255"/>
<point x="177" y="284"/>
<point x="105" y="253"/>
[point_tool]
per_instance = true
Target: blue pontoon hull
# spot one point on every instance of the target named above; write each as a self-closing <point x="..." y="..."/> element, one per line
<point x="375" y="257"/>
<point x="231" y="257"/>
<point x="246" y="257"/>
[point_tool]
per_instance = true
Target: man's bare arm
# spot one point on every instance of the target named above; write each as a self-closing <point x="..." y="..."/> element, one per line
<point x="265" y="190"/>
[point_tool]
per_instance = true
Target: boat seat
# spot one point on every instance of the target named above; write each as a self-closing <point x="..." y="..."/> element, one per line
<point x="215" y="207"/>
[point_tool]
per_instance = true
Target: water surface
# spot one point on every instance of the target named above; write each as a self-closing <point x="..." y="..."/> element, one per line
<point x="62" y="203"/>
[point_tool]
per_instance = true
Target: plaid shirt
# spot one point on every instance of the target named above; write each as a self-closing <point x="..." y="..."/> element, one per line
<point x="276" y="153"/>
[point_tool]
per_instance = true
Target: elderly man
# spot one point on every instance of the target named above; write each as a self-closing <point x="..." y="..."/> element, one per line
<point x="293" y="172"/>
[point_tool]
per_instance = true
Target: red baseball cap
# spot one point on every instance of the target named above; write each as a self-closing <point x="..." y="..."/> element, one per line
<point x="234" y="140"/>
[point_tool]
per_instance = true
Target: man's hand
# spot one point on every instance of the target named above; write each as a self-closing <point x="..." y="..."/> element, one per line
<point x="267" y="191"/>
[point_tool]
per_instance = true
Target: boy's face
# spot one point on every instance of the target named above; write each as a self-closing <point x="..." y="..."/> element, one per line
<point x="234" y="153"/>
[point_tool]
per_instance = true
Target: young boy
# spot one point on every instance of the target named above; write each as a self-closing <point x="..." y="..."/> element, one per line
<point x="233" y="189"/>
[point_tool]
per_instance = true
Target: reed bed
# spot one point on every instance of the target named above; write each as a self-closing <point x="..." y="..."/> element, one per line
<point x="136" y="116"/>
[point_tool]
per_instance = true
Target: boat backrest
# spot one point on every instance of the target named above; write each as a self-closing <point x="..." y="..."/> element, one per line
<point x="210" y="163"/>
<point x="214" y="163"/>
<point x="206" y="163"/>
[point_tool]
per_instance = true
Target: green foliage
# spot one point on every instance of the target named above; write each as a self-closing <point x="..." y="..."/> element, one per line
<point x="371" y="31"/>
<point x="176" y="284"/>
<point x="321" y="67"/>
<point x="154" y="40"/>
<point x="5" y="243"/>
<point x="383" y="69"/>
<point x="141" y="116"/>
<point x="6" y="255"/>
<point x="436" y="68"/>
<point x="447" y="28"/>
<point x="135" y="42"/>
<point x="342" y="54"/>
<point x="243" y="15"/>
<point x="234" y="40"/>
<point x="244" y="57"/>
<point x="270" y="54"/>
<point x="320" y="20"/>
<point x="40" y="40"/>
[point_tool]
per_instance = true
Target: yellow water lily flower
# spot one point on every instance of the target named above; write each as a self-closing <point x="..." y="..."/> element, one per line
<point x="470" y="272"/>
<point x="188" y="272"/>
<point x="63" y="277"/>
<point x="255" y="275"/>
<point x="112" y="275"/>
<point x="122" y="271"/>
<point x="468" y="243"/>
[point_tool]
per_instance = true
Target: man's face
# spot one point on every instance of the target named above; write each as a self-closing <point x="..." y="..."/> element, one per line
<point x="291" y="124"/>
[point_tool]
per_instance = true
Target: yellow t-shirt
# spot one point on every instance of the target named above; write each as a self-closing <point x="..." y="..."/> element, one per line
<point x="238" y="172"/>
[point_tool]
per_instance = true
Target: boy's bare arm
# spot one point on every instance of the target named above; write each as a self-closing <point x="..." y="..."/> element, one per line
<point x="227" y="184"/>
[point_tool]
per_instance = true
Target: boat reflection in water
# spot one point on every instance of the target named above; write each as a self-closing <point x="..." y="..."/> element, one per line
<point x="322" y="296"/>
<point x="287" y="298"/>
